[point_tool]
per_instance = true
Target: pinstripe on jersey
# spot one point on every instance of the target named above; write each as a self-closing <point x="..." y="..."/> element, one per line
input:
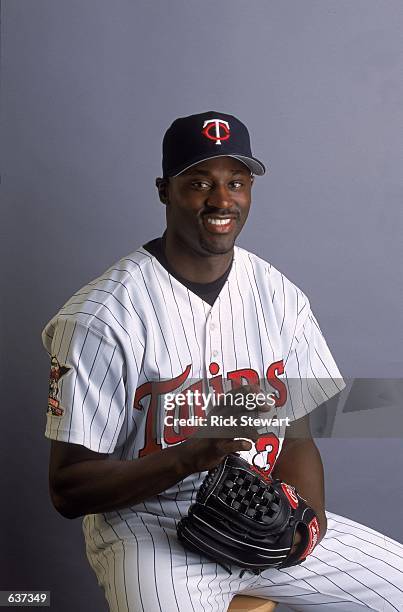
<point x="135" y="324"/>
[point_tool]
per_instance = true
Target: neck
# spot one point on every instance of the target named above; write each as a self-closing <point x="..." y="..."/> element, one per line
<point x="194" y="267"/>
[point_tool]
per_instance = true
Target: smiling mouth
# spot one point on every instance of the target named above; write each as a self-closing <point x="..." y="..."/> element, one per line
<point x="218" y="225"/>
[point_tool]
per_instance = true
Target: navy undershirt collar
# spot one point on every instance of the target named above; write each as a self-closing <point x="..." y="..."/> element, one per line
<point x="206" y="291"/>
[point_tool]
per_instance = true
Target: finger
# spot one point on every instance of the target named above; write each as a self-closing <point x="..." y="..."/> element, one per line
<point x="250" y="433"/>
<point x="229" y="433"/>
<point x="224" y="447"/>
<point x="240" y="445"/>
<point x="230" y="428"/>
<point x="245" y="440"/>
<point x="264" y="400"/>
<point x="247" y="432"/>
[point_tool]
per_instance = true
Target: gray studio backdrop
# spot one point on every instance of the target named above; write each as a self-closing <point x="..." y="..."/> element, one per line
<point x="88" y="88"/>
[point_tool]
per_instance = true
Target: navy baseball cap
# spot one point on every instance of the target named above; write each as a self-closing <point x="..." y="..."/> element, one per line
<point x="190" y="140"/>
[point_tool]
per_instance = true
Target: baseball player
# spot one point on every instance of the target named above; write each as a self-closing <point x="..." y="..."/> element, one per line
<point x="193" y="311"/>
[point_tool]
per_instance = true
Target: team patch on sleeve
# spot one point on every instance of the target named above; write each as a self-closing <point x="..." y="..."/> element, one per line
<point x="57" y="371"/>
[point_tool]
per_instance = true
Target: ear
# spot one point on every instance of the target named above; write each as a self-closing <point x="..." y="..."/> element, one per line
<point x="252" y="179"/>
<point x="162" y="186"/>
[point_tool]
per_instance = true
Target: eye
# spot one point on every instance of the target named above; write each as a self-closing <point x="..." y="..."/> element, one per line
<point x="201" y="185"/>
<point x="236" y="185"/>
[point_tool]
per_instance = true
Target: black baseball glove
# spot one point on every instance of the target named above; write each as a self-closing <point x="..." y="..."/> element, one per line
<point x="245" y="518"/>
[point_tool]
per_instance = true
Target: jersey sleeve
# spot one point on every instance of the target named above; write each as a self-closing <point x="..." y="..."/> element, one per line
<point x="311" y="373"/>
<point x="87" y="395"/>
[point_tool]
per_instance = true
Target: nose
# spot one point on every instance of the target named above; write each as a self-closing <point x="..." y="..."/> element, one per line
<point x="220" y="197"/>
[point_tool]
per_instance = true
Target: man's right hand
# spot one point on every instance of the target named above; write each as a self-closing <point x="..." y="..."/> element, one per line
<point x="209" y="444"/>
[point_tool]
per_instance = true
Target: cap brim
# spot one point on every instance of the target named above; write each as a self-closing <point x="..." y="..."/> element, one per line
<point x="254" y="165"/>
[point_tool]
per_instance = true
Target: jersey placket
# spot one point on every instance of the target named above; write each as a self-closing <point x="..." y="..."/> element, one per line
<point x="213" y="349"/>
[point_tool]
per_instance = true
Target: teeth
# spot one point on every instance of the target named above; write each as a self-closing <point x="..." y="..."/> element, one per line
<point x="218" y="221"/>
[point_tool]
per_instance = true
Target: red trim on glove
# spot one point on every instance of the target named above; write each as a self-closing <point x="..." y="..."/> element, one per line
<point x="290" y="494"/>
<point x="313" y="530"/>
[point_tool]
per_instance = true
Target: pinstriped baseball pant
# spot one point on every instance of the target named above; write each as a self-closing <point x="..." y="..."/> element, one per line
<point x="146" y="569"/>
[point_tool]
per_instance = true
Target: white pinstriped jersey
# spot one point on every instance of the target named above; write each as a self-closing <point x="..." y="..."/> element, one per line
<point x="135" y="332"/>
<point x="136" y="325"/>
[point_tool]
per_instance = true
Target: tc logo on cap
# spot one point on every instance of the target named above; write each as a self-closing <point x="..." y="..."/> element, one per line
<point x="218" y="126"/>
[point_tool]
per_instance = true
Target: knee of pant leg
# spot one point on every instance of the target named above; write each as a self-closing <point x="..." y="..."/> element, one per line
<point x="246" y="603"/>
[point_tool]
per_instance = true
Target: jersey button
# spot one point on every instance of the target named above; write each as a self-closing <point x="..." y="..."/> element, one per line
<point x="212" y="326"/>
<point x="214" y="353"/>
